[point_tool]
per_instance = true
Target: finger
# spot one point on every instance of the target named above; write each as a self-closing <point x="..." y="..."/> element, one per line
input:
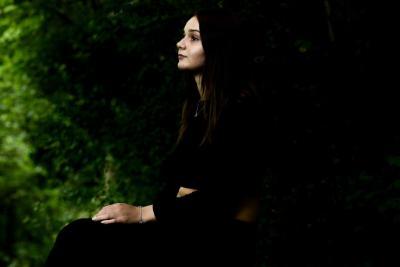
<point x="104" y="213"/>
<point x="101" y="217"/>
<point x="99" y="213"/>
<point x="109" y="221"/>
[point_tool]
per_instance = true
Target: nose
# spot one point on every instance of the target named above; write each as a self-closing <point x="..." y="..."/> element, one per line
<point x="180" y="44"/>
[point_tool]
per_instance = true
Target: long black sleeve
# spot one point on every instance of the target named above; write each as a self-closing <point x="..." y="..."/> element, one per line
<point x="225" y="173"/>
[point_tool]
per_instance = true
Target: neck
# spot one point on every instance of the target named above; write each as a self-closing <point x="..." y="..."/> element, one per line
<point x="197" y="78"/>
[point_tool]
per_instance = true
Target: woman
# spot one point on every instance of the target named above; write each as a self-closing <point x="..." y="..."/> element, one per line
<point x="207" y="212"/>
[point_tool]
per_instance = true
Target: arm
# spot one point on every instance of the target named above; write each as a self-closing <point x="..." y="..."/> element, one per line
<point x="232" y="171"/>
<point x="148" y="213"/>
<point x="183" y="191"/>
<point x="247" y="212"/>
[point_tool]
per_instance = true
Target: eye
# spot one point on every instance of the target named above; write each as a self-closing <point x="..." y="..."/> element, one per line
<point x="191" y="37"/>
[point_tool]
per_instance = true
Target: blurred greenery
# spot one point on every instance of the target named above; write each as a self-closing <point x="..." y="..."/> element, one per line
<point x="89" y="107"/>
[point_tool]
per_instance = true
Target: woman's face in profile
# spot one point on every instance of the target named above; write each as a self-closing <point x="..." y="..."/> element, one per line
<point x="190" y="49"/>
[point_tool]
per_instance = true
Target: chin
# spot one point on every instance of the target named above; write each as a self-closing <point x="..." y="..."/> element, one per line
<point x="183" y="68"/>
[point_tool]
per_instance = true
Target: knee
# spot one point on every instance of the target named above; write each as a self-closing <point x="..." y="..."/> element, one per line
<point x="76" y="228"/>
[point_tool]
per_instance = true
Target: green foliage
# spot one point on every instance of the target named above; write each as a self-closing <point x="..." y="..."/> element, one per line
<point x="31" y="211"/>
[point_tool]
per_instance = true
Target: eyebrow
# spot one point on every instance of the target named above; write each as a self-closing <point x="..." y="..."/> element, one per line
<point x="191" y="30"/>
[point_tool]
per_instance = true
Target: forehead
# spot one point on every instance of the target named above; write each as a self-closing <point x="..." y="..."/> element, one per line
<point x="192" y="24"/>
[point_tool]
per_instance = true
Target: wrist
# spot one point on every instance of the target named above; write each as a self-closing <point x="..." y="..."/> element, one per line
<point x="148" y="214"/>
<point x="140" y="215"/>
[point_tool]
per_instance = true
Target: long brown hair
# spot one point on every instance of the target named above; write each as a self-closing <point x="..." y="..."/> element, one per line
<point x="224" y="75"/>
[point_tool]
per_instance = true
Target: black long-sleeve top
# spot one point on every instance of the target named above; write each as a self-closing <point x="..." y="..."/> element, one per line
<point x="225" y="172"/>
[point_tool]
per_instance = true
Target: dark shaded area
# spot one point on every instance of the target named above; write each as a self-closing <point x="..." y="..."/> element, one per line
<point x="332" y="193"/>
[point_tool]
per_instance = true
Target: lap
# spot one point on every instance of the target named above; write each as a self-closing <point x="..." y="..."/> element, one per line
<point x="154" y="243"/>
<point x="94" y="243"/>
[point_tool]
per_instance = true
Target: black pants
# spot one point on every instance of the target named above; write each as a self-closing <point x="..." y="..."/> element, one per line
<point x="87" y="243"/>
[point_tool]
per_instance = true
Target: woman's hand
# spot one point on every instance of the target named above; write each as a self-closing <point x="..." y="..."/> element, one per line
<point x="118" y="213"/>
